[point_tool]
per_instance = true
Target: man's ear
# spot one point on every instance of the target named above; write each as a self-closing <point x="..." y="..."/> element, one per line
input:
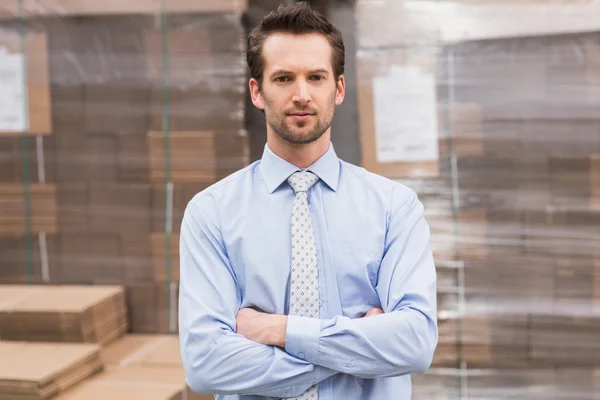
<point x="257" y="98"/>
<point x="340" y="92"/>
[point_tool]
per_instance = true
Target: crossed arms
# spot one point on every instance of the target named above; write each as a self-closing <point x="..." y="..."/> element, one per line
<point x="289" y="354"/>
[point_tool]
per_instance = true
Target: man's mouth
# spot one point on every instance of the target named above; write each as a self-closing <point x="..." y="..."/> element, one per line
<point x="301" y="114"/>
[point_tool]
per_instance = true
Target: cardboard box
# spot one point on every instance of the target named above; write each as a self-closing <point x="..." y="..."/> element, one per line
<point x="143" y="350"/>
<point x="148" y="358"/>
<point x="136" y="258"/>
<point x="166" y="266"/>
<point x="86" y="158"/>
<point x="204" y="92"/>
<point x="88" y="258"/>
<point x="133" y="158"/>
<point x="155" y="383"/>
<point x="17" y="219"/>
<point x="16" y="267"/>
<point x="217" y="42"/>
<point x="496" y="341"/>
<point x="482" y="340"/>
<point x="120" y="207"/>
<point x="191" y="156"/>
<point x="108" y="386"/>
<point x="232" y="152"/>
<point x="68" y="105"/>
<point x="574" y="277"/>
<point x="462" y="237"/>
<point x="570" y="181"/>
<point x="177" y="48"/>
<point x="51" y="313"/>
<point x="565" y="340"/>
<point x="472" y="231"/>
<point x="197" y="108"/>
<point x="446" y="352"/>
<point x="153" y="307"/>
<point x="96" y="157"/>
<point x="73" y="207"/>
<point x="19" y="161"/>
<point x="30" y="69"/>
<point x="98" y="258"/>
<point x="43" y="370"/>
<point x="527" y="282"/>
<point x="465" y="130"/>
<point x="116" y="107"/>
<point x="394" y="147"/>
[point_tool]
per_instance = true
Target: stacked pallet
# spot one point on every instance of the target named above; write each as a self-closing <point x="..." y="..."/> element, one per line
<point x="532" y="184"/>
<point x="38" y="371"/>
<point x="83" y="314"/>
<point x="143" y="115"/>
<point x="496" y="127"/>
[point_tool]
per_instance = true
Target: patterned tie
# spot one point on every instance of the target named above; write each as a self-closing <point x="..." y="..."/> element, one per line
<point x="304" y="287"/>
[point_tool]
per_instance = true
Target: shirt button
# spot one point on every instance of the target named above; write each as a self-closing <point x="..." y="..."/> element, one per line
<point x="301" y="355"/>
<point x="321" y="303"/>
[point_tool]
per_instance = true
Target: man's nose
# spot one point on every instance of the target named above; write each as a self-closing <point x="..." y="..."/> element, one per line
<point x="301" y="94"/>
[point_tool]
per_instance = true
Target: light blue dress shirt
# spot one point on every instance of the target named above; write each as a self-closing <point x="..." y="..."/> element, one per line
<point x="373" y="251"/>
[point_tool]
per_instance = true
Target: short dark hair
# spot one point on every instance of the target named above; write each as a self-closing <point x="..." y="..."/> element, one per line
<point x="298" y="19"/>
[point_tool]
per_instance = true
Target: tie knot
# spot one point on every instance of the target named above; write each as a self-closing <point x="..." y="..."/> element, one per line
<point x="302" y="181"/>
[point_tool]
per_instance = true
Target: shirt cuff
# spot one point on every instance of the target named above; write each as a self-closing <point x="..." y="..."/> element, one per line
<point x="302" y="337"/>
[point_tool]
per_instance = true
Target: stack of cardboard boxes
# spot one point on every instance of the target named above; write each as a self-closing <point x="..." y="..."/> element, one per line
<point x="35" y="371"/>
<point x="82" y="314"/>
<point x="490" y="112"/>
<point x="70" y="342"/>
<point x="124" y="113"/>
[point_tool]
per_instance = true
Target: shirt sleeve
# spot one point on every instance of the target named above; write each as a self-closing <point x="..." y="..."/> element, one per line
<point x="216" y="359"/>
<point x="401" y="341"/>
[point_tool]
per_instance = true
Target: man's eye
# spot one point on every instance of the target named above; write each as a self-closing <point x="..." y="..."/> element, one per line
<point x="282" y="79"/>
<point x="317" y="77"/>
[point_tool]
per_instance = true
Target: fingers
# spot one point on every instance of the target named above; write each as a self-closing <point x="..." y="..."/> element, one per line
<point x="374" y="311"/>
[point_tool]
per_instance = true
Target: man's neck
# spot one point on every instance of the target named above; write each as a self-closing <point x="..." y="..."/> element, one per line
<point x="302" y="156"/>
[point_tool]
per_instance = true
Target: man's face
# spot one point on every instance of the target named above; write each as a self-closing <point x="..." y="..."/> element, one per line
<point x="299" y="92"/>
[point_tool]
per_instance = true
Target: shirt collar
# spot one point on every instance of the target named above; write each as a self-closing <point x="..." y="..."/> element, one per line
<point x="275" y="170"/>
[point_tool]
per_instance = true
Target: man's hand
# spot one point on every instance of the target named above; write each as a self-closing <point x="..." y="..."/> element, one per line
<point x="269" y="329"/>
<point x="374" y="311"/>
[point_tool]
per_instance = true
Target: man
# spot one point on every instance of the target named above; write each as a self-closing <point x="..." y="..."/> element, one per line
<point x="303" y="276"/>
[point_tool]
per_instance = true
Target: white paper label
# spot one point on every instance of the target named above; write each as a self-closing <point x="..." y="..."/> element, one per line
<point x="12" y="93"/>
<point x="405" y="108"/>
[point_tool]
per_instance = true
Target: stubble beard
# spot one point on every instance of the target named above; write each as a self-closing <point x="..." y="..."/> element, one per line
<point x="286" y="130"/>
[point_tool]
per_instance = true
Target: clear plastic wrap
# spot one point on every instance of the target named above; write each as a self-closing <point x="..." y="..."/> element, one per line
<point x="495" y="122"/>
<point x="123" y="112"/>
